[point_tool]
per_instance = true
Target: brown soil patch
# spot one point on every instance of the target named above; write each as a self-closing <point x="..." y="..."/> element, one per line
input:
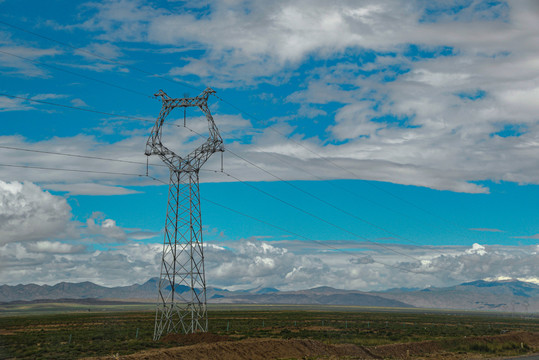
<point x="402" y="351"/>
<point x="192" y="339"/>
<point x="253" y="349"/>
<point x="207" y="346"/>
<point x="320" y="328"/>
<point x="436" y="348"/>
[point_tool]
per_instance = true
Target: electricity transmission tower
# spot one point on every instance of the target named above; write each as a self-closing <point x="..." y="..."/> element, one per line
<point x="182" y="284"/>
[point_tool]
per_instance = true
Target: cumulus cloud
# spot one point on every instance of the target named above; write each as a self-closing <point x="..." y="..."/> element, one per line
<point x="76" y="183"/>
<point x="533" y="280"/>
<point x="34" y="217"/>
<point x="54" y="247"/>
<point x="110" y="177"/>
<point x="443" y="140"/>
<point x="45" y="264"/>
<point x="287" y="265"/>
<point x="477" y="249"/>
<point x="405" y="94"/>
<point x="29" y="213"/>
<point x="404" y="90"/>
<point x="102" y="229"/>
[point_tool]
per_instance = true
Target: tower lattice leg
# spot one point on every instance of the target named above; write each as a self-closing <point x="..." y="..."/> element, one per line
<point x="182" y="285"/>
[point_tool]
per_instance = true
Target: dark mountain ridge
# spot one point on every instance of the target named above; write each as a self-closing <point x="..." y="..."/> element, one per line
<point x="507" y="295"/>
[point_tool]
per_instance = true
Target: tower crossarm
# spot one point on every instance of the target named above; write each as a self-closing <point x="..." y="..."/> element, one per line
<point x="194" y="160"/>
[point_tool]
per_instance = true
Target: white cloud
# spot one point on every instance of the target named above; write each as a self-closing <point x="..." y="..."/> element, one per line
<point x="76" y="183"/>
<point x="102" y="229"/>
<point x="43" y="223"/>
<point x="104" y="50"/>
<point x="477" y="249"/>
<point x="29" y="263"/>
<point x="79" y="103"/>
<point x="29" y="213"/>
<point x="533" y="280"/>
<point x="354" y="120"/>
<point x="90" y="189"/>
<point x="13" y="57"/>
<point x="446" y="141"/>
<point x="13" y="104"/>
<point x="287" y="265"/>
<point x="54" y="247"/>
<point x="48" y="96"/>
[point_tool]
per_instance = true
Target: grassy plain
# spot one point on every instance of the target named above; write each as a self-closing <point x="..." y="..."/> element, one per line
<point x="67" y="331"/>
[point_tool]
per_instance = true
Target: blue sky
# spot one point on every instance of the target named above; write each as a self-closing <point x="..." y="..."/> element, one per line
<point x="404" y="134"/>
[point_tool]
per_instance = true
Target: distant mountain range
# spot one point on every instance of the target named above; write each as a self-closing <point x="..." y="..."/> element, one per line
<point x="508" y="295"/>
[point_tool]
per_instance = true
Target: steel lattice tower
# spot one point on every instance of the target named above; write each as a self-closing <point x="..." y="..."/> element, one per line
<point x="182" y="284"/>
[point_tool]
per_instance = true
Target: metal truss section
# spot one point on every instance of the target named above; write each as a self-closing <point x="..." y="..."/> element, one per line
<point x="182" y="284"/>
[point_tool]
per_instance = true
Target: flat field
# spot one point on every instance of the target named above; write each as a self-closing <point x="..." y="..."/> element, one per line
<point x="68" y="331"/>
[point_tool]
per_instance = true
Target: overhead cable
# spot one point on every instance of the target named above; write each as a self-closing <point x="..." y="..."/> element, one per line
<point x="78" y="74"/>
<point x="220" y="205"/>
<point x="84" y="51"/>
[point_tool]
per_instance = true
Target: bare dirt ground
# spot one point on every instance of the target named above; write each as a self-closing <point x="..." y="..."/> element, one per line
<point x="254" y="349"/>
<point x="215" y="347"/>
<point x="435" y="349"/>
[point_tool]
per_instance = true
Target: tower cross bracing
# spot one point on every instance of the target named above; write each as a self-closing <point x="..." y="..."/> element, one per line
<point x="181" y="303"/>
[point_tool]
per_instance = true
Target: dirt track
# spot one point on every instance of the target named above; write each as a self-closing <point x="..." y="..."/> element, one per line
<point x="213" y="347"/>
<point x="252" y="349"/>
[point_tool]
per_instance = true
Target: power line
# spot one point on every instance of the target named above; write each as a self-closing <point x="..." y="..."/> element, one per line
<point x="331" y="183"/>
<point x="237" y="179"/>
<point x="315" y="196"/>
<point x="128" y="117"/>
<point x="215" y="203"/>
<point x="99" y="56"/>
<point x="324" y="201"/>
<point x="71" y="170"/>
<point x="76" y="155"/>
<point x="135" y="118"/>
<point x="317" y="217"/>
<point x="84" y="157"/>
<point x="214" y="171"/>
<point x="311" y="240"/>
<point x="78" y="74"/>
<point x="78" y="108"/>
<point x="343" y="168"/>
<point x="230" y="104"/>
<point x="299" y="235"/>
<point x="317" y="154"/>
<point x="192" y="87"/>
<point x="321" y="219"/>
<point x="139" y="175"/>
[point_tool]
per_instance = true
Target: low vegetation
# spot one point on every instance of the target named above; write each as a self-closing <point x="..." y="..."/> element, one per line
<point x="99" y="333"/>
